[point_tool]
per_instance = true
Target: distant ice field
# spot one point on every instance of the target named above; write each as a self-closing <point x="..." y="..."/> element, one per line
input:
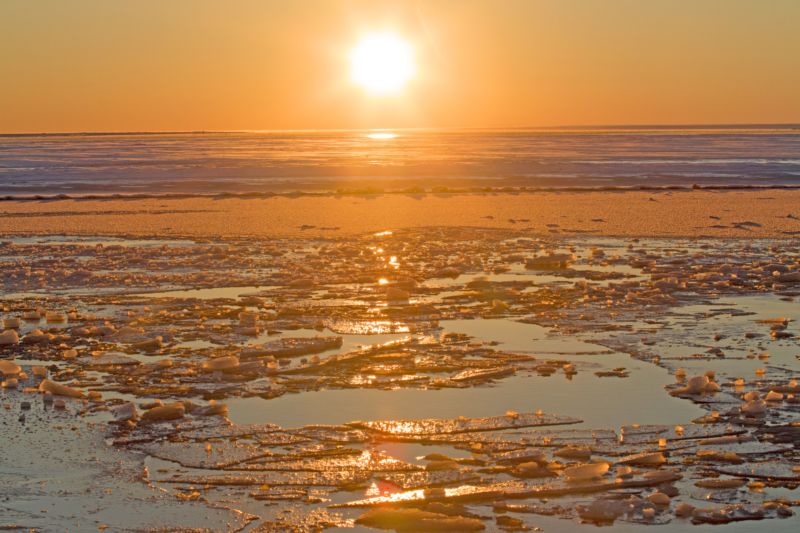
<point x="398" y="160"/>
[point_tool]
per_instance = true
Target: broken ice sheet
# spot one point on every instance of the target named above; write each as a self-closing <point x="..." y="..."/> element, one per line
<point x="415" y="429"/>
<point x="293" y="347"/>
<point x="509" y="490"/>
<point x="373" y="327"/>
<point x="490" y="331"/>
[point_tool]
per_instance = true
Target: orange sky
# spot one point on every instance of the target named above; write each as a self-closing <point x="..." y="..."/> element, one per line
<point x="98" y="65"/>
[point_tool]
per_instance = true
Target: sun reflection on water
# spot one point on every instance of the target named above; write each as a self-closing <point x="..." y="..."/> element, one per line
<point x="382" y="135"/>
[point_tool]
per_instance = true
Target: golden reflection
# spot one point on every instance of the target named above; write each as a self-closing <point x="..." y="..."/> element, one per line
<point x="372" y="491"/>
<point x="382" y="136"/>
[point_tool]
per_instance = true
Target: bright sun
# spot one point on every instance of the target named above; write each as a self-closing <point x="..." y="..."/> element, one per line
<point x="382" y="63"/>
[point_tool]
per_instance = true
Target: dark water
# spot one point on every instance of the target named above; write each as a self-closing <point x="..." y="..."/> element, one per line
<point x="334" y="160"/>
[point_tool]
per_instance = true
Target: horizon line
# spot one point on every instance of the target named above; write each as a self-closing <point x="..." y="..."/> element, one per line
<point x="737" y="125"/>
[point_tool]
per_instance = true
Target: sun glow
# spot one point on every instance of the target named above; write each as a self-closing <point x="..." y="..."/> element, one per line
<point x="382" y="64"/>
<point x="382" y="135"/>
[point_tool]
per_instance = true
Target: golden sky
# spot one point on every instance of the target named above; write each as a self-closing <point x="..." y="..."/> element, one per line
<point x="154" y="65"/>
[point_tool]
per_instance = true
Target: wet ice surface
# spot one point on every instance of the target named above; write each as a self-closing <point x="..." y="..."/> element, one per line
<point x="211" y="293"/>
<point x="57" y="473"/>
<point x="417" y="380"/>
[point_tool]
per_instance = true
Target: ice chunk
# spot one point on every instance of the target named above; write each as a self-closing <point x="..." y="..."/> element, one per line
<point x="9" y="368"/>
<point x="172" y="411"/>
<point x="773" y="396"/>
<point x="12" y="323"/>
<point x="721" y="483"/>
<point x="228" y="362"/>
<point x="55" y="317"/>
<point x="754" y="408"/>
<point x="58" y="389"/>
<point x="417" y="520"/>
<point x="293" y="347"/>
<point x="420" y="428"/>
<point x="696" y="384"/>
<point x="602" y="511"/>
<point x="125" y="411"/>
<point x="684" y="510"/>
<point x="37" y="336"/>
<point x="248" y="319"/>
<point x="644" y="459"/>
<point x="585" y="472"/>
<point x="549" y="262"/>
<point x="9" y="336"/>
<point x="659" y="498"/>
<point x="395" y="294"/>
<point x="574" y="452"/>
<point x="149" y="345"/>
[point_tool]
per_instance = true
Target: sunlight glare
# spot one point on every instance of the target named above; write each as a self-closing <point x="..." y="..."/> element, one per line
<point x="382" y="63"/>
<point x="381" y="135"/>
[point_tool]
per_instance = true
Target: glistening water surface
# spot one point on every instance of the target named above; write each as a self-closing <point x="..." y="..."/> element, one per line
<point x="599" y="402"/>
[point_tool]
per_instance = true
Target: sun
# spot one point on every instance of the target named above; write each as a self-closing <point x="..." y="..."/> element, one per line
<point x="382" y="63"/>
